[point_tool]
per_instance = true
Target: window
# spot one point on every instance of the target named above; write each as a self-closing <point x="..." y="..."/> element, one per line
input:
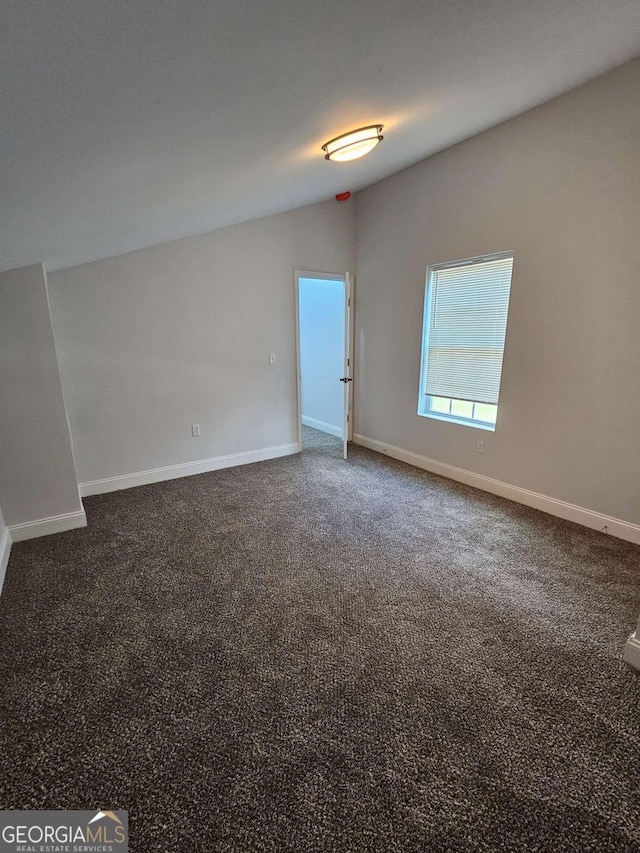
<point x="465" y="323"/>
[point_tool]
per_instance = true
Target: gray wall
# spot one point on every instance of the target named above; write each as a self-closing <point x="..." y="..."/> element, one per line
<point x="559" y="185"/>
<point x="156" y="340"/>
<point x="37" y="476"/>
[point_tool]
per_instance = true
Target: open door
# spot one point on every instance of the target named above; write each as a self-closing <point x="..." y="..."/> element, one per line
<point x="347" y="378"/>
<point x="324" y="339"/>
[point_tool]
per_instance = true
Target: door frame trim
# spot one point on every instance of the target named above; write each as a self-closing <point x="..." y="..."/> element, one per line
<point x="326" y="276"/>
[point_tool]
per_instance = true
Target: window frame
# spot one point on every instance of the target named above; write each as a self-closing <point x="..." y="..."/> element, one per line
<point x="456" y="419"/>
<point x="424" y="400"/>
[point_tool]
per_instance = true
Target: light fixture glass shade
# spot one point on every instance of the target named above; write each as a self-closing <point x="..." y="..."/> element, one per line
<point x="354" y="144"/>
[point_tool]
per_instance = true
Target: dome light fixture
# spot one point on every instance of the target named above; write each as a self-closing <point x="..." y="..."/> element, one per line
<point x="356" y="143"/>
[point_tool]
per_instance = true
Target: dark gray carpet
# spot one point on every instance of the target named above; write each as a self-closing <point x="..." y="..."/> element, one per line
<point x="316" y="655"/>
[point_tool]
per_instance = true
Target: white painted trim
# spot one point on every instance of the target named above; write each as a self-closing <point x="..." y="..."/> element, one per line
<point x="322" y="426"/>
<point x="347" y="420"/>
<point x="172" y="472"/>
<point x="632" y="651"/>
<point x="352" y="353"/>
<point x="46" y="526"/>
<point x="5" y="551"/>
<point x="347" y="278"/>
<point x="561" y="509"/>
<point x="296" y="287"/>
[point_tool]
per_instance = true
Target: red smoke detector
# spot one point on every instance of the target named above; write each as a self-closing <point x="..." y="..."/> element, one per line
<point x="343" y="196"/>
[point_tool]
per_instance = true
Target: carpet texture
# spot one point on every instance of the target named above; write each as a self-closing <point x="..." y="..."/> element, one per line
<point x="309" y="654"/>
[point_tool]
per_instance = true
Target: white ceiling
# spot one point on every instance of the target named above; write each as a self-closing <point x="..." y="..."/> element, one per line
<point x="125" y="123"/>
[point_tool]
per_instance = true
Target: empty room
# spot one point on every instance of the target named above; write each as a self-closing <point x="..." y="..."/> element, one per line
<point x="319" y="406"/>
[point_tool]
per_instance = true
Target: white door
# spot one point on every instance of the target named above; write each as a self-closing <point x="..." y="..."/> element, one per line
<point x="347" y="377"/>
<point x="324" y="334"/>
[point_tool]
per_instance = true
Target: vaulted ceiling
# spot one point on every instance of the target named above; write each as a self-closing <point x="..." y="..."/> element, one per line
<point x="130" y="122"/>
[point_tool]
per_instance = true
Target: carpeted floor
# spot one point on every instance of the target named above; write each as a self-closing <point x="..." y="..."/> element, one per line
<point x="309" y="654"/>
<point x="313" y="439"/>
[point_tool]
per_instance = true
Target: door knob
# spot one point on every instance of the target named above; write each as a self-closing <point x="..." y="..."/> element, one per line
<point x="346" y="379"/>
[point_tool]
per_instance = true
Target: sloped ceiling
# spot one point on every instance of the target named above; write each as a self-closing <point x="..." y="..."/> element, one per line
<point x="130" y="122"/>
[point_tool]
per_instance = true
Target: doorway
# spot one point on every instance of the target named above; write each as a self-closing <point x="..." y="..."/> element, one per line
<point x="323" y="326"/>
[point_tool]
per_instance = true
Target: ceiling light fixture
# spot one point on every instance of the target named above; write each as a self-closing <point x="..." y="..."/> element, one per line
<point x="354" y="144"/>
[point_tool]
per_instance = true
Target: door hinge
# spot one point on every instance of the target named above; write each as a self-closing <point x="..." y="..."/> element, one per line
<point x="348" y="362"/>
<point x="347" y="418"/>
<point x="349" y="302"/>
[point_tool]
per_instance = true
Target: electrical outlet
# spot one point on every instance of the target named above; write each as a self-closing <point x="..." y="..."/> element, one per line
<point x="479" y="446"/>
<point x="195" y="430"/>
<point x="272" y="358"/>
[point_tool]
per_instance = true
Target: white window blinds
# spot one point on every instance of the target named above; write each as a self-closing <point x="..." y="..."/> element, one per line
<point x="467" y="323"/>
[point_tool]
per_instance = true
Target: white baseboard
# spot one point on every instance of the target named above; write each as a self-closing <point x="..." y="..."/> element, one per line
<point x="46" y="526"/>
<point x="561" y="509"/>
<point x="172" y="472"/>
<point x="632" y="651"/>
<point x="322" y="426"/>
<point x="5" y="551"/>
